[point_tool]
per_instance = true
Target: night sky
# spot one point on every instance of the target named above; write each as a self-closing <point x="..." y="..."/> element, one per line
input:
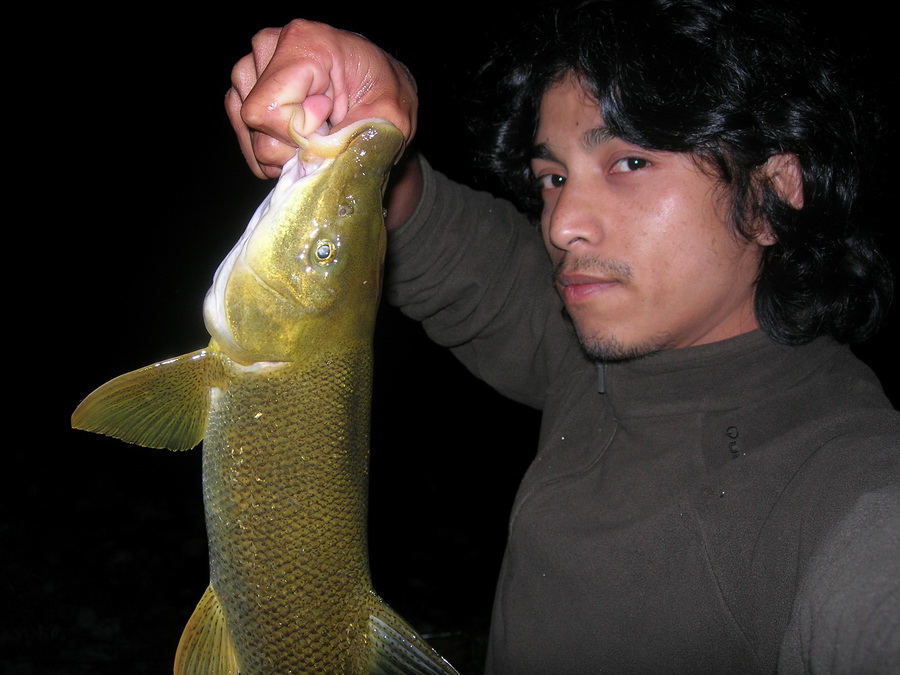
<point x="137" y="190"/>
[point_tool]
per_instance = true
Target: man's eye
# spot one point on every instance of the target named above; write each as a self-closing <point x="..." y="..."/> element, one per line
<point x="550" y="181"/>
<point x="630" y="164"/>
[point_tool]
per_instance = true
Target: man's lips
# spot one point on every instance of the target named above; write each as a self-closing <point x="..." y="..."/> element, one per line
<point x="574" y="287"/>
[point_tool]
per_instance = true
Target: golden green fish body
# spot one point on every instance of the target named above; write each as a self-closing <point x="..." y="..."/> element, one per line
<point x="281" y="399"/>
<point x="285" y="488"/>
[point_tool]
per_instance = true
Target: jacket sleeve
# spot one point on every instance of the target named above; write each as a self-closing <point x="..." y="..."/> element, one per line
<point x="474" y="271"/>
<point x="846" y="616"/>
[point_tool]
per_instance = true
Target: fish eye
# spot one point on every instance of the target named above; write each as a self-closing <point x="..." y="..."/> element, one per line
<point x="324" y="251"/>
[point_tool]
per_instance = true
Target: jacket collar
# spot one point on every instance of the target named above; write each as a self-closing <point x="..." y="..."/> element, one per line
<point x="716" y="376"/>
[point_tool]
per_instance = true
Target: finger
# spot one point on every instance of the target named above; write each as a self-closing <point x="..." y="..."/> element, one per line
<point x="244" y="75"/>
<point x="300" y="89"/>
<point x="233" y="103"/>
<point x="313" y="115"/>
<point x="263" y="45"/>
<point x="271" y="154"/>
<point x="266" y="145"/>
<point x="382" y="88"/>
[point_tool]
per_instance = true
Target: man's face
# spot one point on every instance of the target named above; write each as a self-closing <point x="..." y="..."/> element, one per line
<point x="645" y="259"/>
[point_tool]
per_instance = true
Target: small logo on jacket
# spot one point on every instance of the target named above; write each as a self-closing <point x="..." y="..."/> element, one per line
<point x="732" y="433"/>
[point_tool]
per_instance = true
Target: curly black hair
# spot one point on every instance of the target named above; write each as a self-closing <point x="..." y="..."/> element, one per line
<point x="733" y="85"/>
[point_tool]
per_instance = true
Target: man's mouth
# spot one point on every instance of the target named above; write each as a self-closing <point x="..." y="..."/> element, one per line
<point x="564" y="280"/>
<point x="580" y="278"/>
<point x="575" y="287"/>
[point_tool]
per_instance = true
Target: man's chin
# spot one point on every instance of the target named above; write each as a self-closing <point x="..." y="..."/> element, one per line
<point x="609" y="349"/>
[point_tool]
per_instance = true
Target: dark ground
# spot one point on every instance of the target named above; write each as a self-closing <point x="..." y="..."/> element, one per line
<point x="102" y="543"/>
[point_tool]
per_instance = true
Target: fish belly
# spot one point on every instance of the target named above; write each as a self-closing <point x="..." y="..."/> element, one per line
<point x="285" y="488"/>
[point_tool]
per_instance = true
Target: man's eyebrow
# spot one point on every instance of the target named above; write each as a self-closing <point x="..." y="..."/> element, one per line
<point x="596" y="136"/>
<point x="589" y="140"/>
<point x="542" y="151"/>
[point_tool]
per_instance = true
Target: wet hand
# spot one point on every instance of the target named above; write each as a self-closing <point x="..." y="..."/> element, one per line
<point x="309" y="76"/>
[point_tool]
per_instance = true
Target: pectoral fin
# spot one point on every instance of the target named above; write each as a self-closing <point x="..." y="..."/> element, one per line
<point x="396" y="648"/>
<point x="165" y="405"/>
<point x="205" y="647"/>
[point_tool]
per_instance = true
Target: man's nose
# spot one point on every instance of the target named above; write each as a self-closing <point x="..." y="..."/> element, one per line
<point x="574" y="220"/>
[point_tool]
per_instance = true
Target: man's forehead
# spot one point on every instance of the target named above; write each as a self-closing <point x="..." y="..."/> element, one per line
<point x="566" y="106"/>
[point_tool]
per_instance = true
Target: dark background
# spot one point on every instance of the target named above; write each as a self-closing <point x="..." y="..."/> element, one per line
<point x="130" y="190"/>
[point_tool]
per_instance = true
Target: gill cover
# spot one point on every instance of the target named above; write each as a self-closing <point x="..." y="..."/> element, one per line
<point x="311" y="257"/>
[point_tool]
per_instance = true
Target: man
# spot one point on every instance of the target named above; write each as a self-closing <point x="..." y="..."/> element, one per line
<point x="717" y="485"/>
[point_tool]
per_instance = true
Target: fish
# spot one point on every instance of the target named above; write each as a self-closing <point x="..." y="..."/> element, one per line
<point x="281" y="399"/>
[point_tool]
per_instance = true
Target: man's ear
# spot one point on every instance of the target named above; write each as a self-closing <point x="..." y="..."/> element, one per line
<point x="787" y="177"/>
<point x="784" y="173"/>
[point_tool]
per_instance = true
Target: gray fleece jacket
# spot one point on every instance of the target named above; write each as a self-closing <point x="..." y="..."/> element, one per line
<point x="733" y="507"/>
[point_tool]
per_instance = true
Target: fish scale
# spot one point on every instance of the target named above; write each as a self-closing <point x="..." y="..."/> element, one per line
<point x="282" y="549"/>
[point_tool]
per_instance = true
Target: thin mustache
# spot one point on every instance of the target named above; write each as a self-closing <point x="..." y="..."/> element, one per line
<point x="599" y="267"/>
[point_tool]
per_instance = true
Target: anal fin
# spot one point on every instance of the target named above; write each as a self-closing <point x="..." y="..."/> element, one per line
<point x="205" y="647"/>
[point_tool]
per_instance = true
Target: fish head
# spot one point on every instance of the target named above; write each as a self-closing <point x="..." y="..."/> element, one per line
<point x="307" y="270"/>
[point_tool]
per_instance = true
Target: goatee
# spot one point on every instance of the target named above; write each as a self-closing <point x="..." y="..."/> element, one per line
<point x="608" y="349"/>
